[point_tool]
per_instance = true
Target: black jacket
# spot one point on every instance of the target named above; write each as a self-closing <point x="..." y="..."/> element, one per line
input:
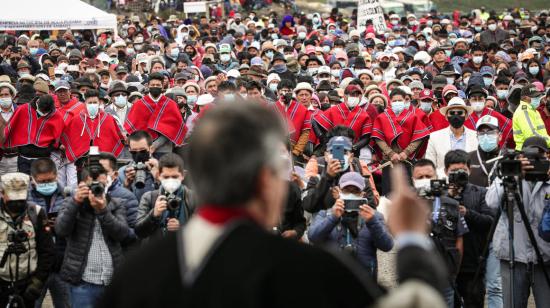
<point x="320" y="198"/>
<point x="479" y="218"/>
<point x="252" y="268"/>
<point x="76" y="223"/>
<point x="147" y="224"/>
<point x="293" y="216"/>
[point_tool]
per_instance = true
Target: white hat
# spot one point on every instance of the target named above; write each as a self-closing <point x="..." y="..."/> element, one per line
<point x="303" y="86"/>
<point x="364" y="71"/>
<point x="323" y="70"/>
<point x="210" y="79"/>
<point x="272" y="77"/>
<point x="205" y="99"/>
<point x="10" y="87"/>
<point x="487" y="120"/>
<point x="15" y="185"/>
<point x="233" y="73"/>
<point x="255" y="44"/>
<point x="423" y="56"/>
<point x="406" y="89"/>
<point x="354" y="33"/>
<point x="456" y="102"/>
<point x="119" y="43"/>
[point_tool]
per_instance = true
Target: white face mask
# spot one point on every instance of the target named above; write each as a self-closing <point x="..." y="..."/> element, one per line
<point x="353" y="101"/>
<point x="5" y="102"/>
<point x="422" y="184"/>
<point x="377" y="78"/>
<point x="477" y="106"/>
<point x="477" y="59"/>
<point x="492" y="27"/>
<point x="421" y="44"/>
<point x="225" y="57"/>
<point x="170" y="185"/>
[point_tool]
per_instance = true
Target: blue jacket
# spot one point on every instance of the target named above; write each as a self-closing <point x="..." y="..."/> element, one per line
<point x="116" y="190"/>
<point x="373" y="235"/>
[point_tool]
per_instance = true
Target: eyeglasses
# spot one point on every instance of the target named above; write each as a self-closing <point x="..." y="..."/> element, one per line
<point x="455" y="112"/>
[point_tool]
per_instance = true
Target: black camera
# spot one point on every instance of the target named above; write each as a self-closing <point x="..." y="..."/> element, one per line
<point x="141" y="174"/>
<point x="18" y="236"/>
<point x="95" y="169"/>
<point x="540" y="164"/>
<point x="458" y="178"/>
<point x="172" y="204"/>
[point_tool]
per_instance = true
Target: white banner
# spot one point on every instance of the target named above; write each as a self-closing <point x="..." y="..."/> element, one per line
<point x="370" y="9"/>
<point x="194" y="7"/>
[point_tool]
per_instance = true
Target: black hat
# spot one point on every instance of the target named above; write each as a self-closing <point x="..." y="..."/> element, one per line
<point x="313" y="58"/>
<point x="477" y="89"/>
<point x="278" y="56"/>
<point x="121" y="69"/>
<point x="535" y="142"/>
<point x="118" y="87"/>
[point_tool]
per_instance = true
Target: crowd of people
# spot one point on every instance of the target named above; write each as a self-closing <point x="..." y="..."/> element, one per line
<point x="106" y="134"/>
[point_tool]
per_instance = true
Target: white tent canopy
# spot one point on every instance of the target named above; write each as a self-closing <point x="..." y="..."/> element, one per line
<point x="53" y="15"/>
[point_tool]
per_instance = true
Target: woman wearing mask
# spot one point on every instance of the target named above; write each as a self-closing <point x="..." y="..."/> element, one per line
<point x="533" y="71"/>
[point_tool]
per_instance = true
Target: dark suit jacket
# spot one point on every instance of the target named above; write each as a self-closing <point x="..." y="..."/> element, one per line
<point x="253" y="268"/>
<point x="487" y="37"/>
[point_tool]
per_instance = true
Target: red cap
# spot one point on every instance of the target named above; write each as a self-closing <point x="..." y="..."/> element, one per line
<point x="310" y="49"/>
<point x="425" y="94"/>
<point x="353" y="88"/>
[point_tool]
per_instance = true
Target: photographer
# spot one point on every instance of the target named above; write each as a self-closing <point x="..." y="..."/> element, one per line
<point x="94" y="225"/>
<point x="139" y="175"/>
<point x="49" y="194"/>
<point x="528" y="272"/>
<point x="169" y="207"/>
<point x="27" y="247"/>
<point x="448" y="226"/>
<point x="330" y="169"/>
<point x="479" y="218"/>
<point x="116" y="190"/>
<point x="488" y="136"/>
<point x="360" y="230"/>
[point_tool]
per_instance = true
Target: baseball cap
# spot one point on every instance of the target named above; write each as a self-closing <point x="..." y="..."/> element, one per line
<point x="426" y="94"/>
<point x="225" y="48"/>
<point x="530" y="90"/>
<point x="352" y="179"/>
<point x="62" y="84"/>
<point x="531" y="142"/>
<point x="15" y="185"/>
<point x="487" y="120"/>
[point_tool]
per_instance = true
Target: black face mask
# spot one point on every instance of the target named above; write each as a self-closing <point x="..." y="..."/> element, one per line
<point x="548" y="105"/>
<point x="140" y="156"/>
<point x="155" y="92"/>
<point x="45" y="105"/>
<point x="16" y="206"/>
<point x="325" y="106"/>
<point x="380" y="108"/>
<point x="460" y="52"/>
<point x="456" y="121"/>
<point x="384" y="65"/>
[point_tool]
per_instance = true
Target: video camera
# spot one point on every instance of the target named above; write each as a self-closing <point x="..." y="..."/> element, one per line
<point x="95" y="169"/>
<point x="436" y="188"/>
<point x="458" y="178"/>
<point x="509" y="166"/>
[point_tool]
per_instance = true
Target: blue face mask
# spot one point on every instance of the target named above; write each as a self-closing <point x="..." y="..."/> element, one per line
<point x="175" y="52"/>
<point x="93" y="110"/>
<point x="487" y="81"/>
<point x="46" y="189"/>
<point x="397" y="107"/>
<point x="191" y="100"/>
<point x="535" y="101"/>
<point x="488" y="143"/>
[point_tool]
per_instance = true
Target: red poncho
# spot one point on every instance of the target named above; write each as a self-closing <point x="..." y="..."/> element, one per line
<point x="82" y="131"/>
<point x="313" y="115"/>
<point x="356" y="119"/>
<point x="504" y="125"/>
<point x="403" y="129"/>
<point x="163" y="117"/>
<point x="26" y="128"/>
<point x="70" y="109"/>
<point x="296" y="117"/>
<point x="438" y="120"/>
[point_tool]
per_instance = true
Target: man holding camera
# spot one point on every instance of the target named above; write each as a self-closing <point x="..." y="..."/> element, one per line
<point x="139" y="175"/>
<point x="478" y="217"/>
<point x="447" y="224"/>
<point x="94" y="225"/>
<point x="49" y="194"/>
<point x="169" y="207"/>
<point x="533" y="189"/>
<point x="483" y="173"/>
<point x="353" y="224"/>
<point x="27" y="247"/>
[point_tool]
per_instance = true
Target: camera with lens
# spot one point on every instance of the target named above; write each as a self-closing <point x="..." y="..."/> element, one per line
<point x="141" y="174"/>
<point x="18" y="236"/>
<point x="458" y="178"/>
<point x="540" y="164"/>
<point x="172" y="204"/>
<point x="95" y="169"/>
<point x="432" y="189"/>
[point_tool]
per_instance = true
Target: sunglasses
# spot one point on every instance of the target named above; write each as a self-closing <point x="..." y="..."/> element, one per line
<point x="456" y="112"/>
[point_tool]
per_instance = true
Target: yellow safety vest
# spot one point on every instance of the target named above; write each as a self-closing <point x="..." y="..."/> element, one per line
<point x="527" y="123"/>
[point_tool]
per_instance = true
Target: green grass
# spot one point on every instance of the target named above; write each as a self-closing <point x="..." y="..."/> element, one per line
<point x="497" y="5"/>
